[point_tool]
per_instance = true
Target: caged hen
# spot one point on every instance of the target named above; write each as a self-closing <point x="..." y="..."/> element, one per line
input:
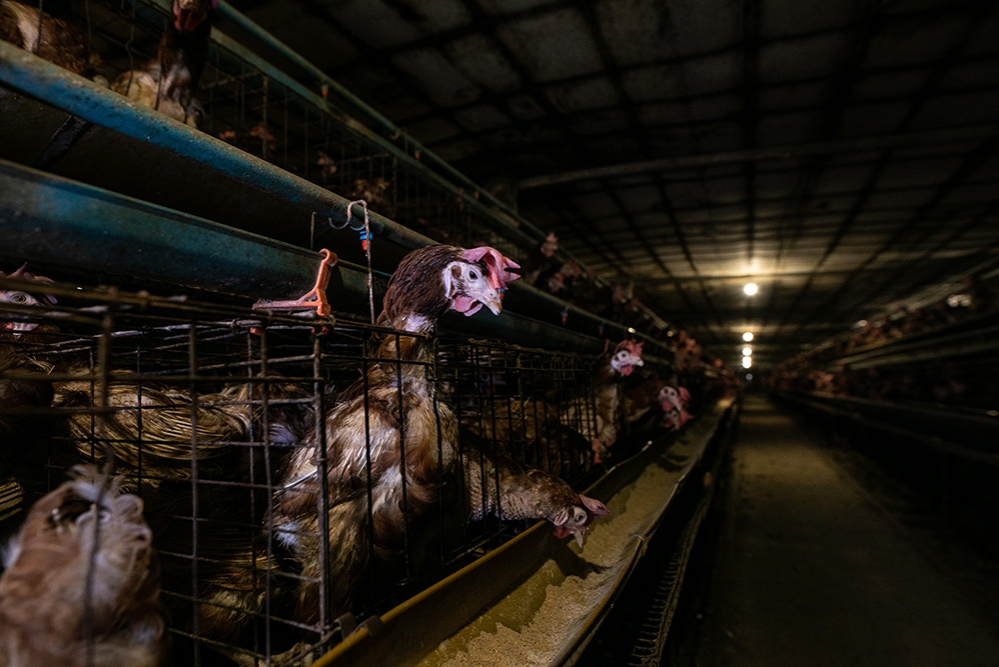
<point x="16" y="302"/>
<point x="149" y="426"/>
<point x="59" y="43"/>
<point x="388" y="430"/>
<point x="412" y="437"/>
<point x="643" y="407"/>
<point x="82" y="582"/>
<point x="675" y="401"/>
<point x="530" y="430"/>
<point x="169" y="81"/>
<point x="500" y="487"/>
<point x="17" y="388"/>
<point x="25" y="391"/>
<point x="602" y="431"/>
<point x="642" y="398"/>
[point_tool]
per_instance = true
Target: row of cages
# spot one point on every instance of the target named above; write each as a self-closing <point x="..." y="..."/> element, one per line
<point x="212" y="414"/>
<point x="242" y="100"/>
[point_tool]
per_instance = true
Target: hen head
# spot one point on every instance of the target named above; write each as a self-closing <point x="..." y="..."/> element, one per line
<point x="432" y="280"/>
<point x="188" y="14"/>
<point x="670" y="398"/>
<point x="574" y="519"/>
<point x="627" y="355"/>
<point x="550" y="245"/>
<point x="19" y="298"/>
<point x="56" y="549"/>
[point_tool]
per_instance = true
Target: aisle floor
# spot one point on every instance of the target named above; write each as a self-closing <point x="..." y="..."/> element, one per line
<point x="809" y="570"/>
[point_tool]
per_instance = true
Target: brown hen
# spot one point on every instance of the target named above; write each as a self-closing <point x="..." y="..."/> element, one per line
<point x="602" y="430"/>
<point x="497" y="486"/>
<point x="169" y="81"/>
<point x="388" y="439"/>
<point x="82" y="584"/>
<point x="59" y="42"/>
<point x="389" y="426"/>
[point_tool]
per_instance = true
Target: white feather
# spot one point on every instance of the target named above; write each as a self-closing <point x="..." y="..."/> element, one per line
<point x="27" y="23"/>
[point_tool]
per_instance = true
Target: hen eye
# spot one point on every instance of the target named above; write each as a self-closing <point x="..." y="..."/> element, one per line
<point x="473" y="275"/>
<point x="20" y="298"/>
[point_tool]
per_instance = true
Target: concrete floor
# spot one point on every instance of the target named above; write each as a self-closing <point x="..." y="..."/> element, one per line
<point x="811" y="571"/>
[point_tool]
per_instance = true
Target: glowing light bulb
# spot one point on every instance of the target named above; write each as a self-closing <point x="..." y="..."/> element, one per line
<point x="747" y="351"/>
<point x="750" y="289"/>
<point x="748" y="336"/>
<point x="747" y="362"/>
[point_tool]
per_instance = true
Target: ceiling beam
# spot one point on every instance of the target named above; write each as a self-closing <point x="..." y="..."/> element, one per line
<point x="860" y="145"/>
<point x="654" y="256"/>
<point x="971" y="162"/>
<point x="830" y="121"/>
<point x="750" y="111"/>
<point x="767" y="278"/>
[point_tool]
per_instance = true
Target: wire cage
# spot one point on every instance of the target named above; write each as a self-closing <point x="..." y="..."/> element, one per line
<point x="281" y="109"/>
<point x="205" y="411"/>
<point x="250" y="104"/>
<point x="237" y="429"/>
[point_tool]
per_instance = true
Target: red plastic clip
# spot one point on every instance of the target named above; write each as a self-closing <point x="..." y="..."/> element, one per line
<point x="314" y="298"/>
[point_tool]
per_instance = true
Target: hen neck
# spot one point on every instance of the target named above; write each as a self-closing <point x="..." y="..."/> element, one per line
<point x="606" y="375"/>
<point x="414" y="323"/>
<point x="187" y="49"/>
<point x="408" y="348"/>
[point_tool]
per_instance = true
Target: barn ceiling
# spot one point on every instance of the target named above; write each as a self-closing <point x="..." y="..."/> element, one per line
<point x="842" y="155"/>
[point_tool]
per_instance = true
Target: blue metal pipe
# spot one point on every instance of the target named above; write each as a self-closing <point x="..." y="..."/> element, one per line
<point x="43" y="80"/>
<point x="38" y="78"/>
<point x="57" y="223"/>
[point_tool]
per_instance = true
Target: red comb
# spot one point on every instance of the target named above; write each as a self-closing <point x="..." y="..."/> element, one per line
<point x="498" y="265"/>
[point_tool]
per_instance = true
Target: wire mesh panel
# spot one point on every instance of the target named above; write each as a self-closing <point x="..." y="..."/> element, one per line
<point x="530" y="405"/>
<point x="292" y="471"/>
<point x="171" y="60"/>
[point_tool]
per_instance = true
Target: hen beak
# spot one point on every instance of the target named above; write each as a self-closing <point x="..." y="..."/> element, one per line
<point x="578" y="533"/>
<point x="491" y="299"/>
<point x="495" y="305"/>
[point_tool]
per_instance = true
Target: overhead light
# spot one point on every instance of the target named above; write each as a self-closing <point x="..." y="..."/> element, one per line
<point x="747" y="362"/>
<point x="747" y="351"/>
<point x="750" y="289"/>
<point x="748" y="336"/>
<point x="631" y="330"/>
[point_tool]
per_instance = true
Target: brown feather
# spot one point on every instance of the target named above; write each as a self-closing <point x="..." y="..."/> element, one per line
<point x="44" y="614"/>
<point x="158" y="417"/>
<point x="497" y="486"/>
<point x="60" y="43"/>
<point x="389" y="427"/>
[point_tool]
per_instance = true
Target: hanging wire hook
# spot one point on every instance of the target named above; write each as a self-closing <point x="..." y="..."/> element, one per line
<point x="365" y="246"/>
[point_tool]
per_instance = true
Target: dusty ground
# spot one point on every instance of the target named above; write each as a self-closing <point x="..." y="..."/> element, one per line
<point x="812" y="569"/>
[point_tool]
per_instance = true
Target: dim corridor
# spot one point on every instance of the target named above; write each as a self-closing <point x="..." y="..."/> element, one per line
<point x="809" y="570"/>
